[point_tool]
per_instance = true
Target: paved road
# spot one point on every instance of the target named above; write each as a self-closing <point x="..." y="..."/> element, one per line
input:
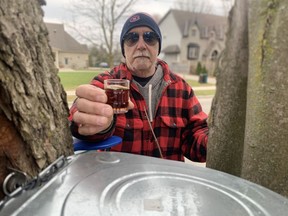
<point x="206" y="102"/>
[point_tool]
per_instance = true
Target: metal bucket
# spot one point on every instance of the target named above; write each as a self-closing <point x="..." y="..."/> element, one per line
<point x="110" y="183"/>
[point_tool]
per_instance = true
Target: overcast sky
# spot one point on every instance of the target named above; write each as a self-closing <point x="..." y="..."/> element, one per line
<point x="55" y="10"/>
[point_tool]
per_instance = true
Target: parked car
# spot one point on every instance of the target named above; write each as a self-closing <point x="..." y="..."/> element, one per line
<point x="104" y="65"/>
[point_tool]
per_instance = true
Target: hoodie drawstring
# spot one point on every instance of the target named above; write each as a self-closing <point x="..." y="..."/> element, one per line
<point x="154" y="136"/>
<point x="150" y="102"/>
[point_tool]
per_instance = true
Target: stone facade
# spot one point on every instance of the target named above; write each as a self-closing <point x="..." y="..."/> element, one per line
<point x="189" y="38"/>
<point x="68" y="52"/>
<point x="72" y="60"/>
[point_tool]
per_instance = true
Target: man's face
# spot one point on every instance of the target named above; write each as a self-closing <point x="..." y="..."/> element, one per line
<point x="141" y="50"/>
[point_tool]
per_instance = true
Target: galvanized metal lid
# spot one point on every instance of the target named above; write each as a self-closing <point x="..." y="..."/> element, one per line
<point x="110" y="183"/>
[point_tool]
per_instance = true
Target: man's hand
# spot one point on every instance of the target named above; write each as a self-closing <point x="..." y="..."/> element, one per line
<point x="93" y="115"/>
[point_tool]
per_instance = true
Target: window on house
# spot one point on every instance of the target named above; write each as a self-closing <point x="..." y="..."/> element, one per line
<point x="66" y="61"/>
<point x="221" y="32"/>
<point x="193" y="51"/>
<point x="193" y="32"/>
<point x="212" y="34"/>
<point x="205" y="32"/>
<point x="214" y="55"/>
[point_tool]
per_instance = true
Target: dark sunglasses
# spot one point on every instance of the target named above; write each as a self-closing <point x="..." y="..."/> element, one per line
<point x="131" y="38"/>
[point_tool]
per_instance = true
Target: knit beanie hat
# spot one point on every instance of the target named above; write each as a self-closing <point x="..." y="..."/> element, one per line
<point x="137" y="20"/>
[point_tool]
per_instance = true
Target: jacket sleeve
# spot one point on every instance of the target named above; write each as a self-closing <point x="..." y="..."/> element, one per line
<point x="97" y="81"/>
<point x="92" y="138"/>
<point x="195" y="135"/>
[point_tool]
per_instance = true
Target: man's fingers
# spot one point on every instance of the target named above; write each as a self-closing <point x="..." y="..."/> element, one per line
<point x="130" y="105"/>
<point x="91" y="93"/>
<point x="86" y="106"/>
<point x="88" y="119"/>
<point x="89" y="129"/>
<point x="86" y="93"/>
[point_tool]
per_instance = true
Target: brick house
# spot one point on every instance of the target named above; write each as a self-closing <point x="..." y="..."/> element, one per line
<point x="189" y="38"/>
<point x="68" y="52"/>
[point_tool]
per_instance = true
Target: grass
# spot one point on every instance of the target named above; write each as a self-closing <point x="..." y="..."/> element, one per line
<point x="71" y="79"/>
<point x="194" y="83"/>
<point x="204" y="92"/>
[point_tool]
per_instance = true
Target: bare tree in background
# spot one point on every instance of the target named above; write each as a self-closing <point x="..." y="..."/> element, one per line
<point x="196" y="6"/>
<point x="203" y="6"/>
<point x="95" y="21"/>
<point x="227" y="5"/>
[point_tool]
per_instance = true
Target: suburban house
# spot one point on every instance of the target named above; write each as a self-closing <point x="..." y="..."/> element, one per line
<point x="189" y="38"/>
<point x="68" y="52"/>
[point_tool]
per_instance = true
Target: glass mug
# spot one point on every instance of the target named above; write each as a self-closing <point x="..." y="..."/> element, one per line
<point x="117" y="91"/>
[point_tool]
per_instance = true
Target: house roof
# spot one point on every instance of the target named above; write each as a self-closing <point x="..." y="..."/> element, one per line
<point x="211" y="45"/>
<point x="184" y="19"/>
<point x="172" y="49"/>
<point x="61" y="40"/>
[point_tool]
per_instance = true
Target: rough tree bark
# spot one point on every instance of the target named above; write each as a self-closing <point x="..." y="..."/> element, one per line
<point x="248" y="131"/>
<point x="227" y="116"/>
<point x="266" y="149"/>
<point x="33" y="109"/>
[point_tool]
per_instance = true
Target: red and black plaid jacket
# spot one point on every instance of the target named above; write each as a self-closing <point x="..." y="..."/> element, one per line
<point x="179" y="123"/>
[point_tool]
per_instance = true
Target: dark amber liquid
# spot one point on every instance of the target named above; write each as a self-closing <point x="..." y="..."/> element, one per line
<point x="118" y="98"/>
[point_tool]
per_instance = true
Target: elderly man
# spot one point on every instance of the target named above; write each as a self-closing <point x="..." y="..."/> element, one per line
<point x="165" y="119"/>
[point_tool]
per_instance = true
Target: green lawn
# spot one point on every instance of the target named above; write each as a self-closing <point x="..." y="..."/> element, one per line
<point x="204" y="92"/>
<point x="194" y="83"/>
<point x="70" y="80"/>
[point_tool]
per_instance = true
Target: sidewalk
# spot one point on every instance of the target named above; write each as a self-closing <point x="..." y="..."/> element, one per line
<point x="210" y="80"/>
<point x="70" y="93"/>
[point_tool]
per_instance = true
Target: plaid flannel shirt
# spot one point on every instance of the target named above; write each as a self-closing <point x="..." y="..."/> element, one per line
<point x="179" y="123"/>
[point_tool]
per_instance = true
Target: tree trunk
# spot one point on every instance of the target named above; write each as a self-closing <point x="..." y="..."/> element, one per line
<point x="33" y="109"/>
<point x="250" y="140"/>
<point x="227" y="116"/>
<point x="266" y="150"/>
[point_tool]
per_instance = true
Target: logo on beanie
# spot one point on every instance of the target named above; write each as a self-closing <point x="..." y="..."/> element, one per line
<point x="134" y="18"/>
